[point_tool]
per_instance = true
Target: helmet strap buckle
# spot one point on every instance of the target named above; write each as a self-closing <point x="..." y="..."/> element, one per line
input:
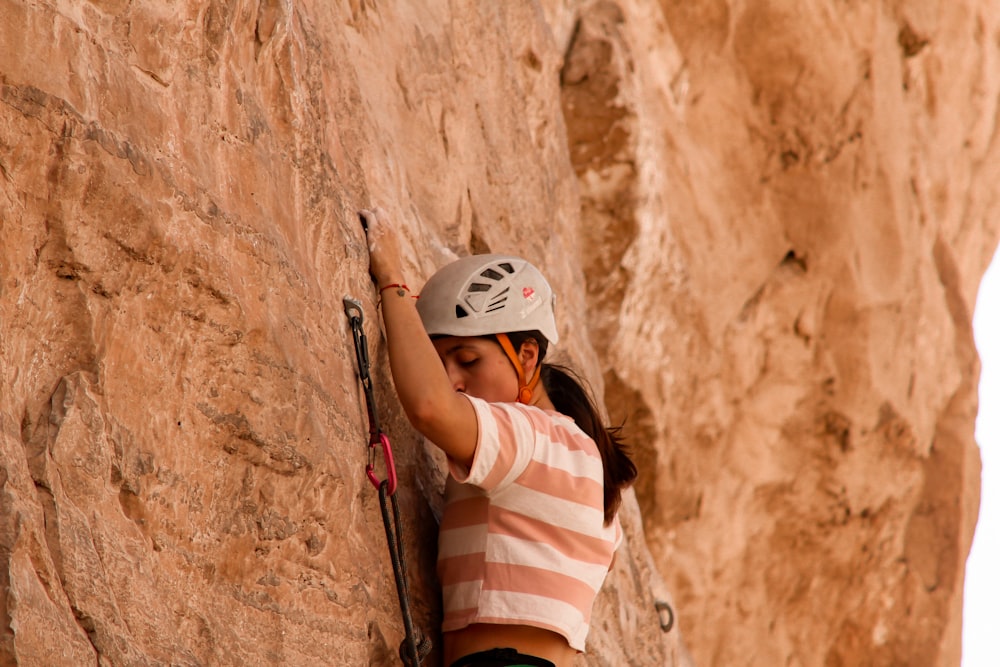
<point x="525" y="390"/>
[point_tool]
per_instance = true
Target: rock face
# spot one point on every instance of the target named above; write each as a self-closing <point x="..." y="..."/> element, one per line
<point x="766" y="222"/>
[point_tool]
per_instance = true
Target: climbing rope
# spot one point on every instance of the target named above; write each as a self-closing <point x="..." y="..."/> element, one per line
<point x="413" y="649"/>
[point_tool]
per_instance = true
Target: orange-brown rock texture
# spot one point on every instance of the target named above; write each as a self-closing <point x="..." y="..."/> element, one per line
<point x="766" y="221"/>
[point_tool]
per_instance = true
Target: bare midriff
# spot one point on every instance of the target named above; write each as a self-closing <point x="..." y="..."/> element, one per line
<point x="525" y="639"/>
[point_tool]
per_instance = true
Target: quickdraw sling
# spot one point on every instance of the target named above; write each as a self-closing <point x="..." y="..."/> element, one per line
<point x="414" y="648"/>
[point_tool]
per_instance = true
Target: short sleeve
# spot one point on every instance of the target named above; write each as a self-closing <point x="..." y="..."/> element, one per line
<point x="504" y="446"/>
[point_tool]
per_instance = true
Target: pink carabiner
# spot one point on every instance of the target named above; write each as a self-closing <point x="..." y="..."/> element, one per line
<point x="390" y="466"/>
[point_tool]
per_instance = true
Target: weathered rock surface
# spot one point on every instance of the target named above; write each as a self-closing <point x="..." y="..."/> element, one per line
<point x="766" y="222"/>
<point x="787" y="221"/>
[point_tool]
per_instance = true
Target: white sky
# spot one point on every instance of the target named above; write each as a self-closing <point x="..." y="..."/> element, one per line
<point x="981" y="618"/>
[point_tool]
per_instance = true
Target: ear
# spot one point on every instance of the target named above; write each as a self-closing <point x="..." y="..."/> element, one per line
<point x="528" y="355"/>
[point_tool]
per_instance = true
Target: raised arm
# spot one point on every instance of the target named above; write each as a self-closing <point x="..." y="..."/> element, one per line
<point x="425" y="392"/>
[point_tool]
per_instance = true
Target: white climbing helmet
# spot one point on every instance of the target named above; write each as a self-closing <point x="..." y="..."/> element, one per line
<point x="488" y="294"/>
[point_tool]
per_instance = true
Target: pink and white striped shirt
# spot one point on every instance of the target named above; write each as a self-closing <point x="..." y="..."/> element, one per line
<point x="522" y="538"/>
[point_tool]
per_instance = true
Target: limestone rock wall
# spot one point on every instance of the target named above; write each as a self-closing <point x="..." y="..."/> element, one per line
<point x="765" y="221"/>
<point x="787" y="207"/>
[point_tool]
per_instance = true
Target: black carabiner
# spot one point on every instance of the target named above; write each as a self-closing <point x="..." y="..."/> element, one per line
<point x="376" y="438"/>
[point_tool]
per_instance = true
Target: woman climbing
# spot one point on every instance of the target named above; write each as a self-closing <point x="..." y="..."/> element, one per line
<point x="530" y="522"/>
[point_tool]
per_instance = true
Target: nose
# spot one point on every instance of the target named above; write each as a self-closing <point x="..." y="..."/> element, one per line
<point x="456" y="377"/>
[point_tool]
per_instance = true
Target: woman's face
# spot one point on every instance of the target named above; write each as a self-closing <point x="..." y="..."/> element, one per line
<point x="478" y="367"/>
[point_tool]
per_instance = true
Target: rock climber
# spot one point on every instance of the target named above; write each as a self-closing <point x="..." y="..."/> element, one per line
<point x="530" y="524"/>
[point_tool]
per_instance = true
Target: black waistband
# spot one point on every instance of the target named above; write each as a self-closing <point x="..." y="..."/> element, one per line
<point x="501" y="657"/>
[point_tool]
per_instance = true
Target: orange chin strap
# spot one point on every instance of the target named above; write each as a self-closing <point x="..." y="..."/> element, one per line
<point x="525" y="389"/>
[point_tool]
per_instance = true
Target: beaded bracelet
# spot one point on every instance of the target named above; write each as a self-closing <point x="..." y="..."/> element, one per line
<point x="401" y="289"/>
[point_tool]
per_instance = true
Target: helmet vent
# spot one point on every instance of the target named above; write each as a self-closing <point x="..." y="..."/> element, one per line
<point x="491" y="274"/>
<point x="507" y="266"/>
<point x="460" y="312"/>
<point x="479" y="287"/>
<point x="499" y="301"/>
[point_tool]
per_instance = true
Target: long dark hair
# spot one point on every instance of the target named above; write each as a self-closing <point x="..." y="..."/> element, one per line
<point x="571" y="395"/>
